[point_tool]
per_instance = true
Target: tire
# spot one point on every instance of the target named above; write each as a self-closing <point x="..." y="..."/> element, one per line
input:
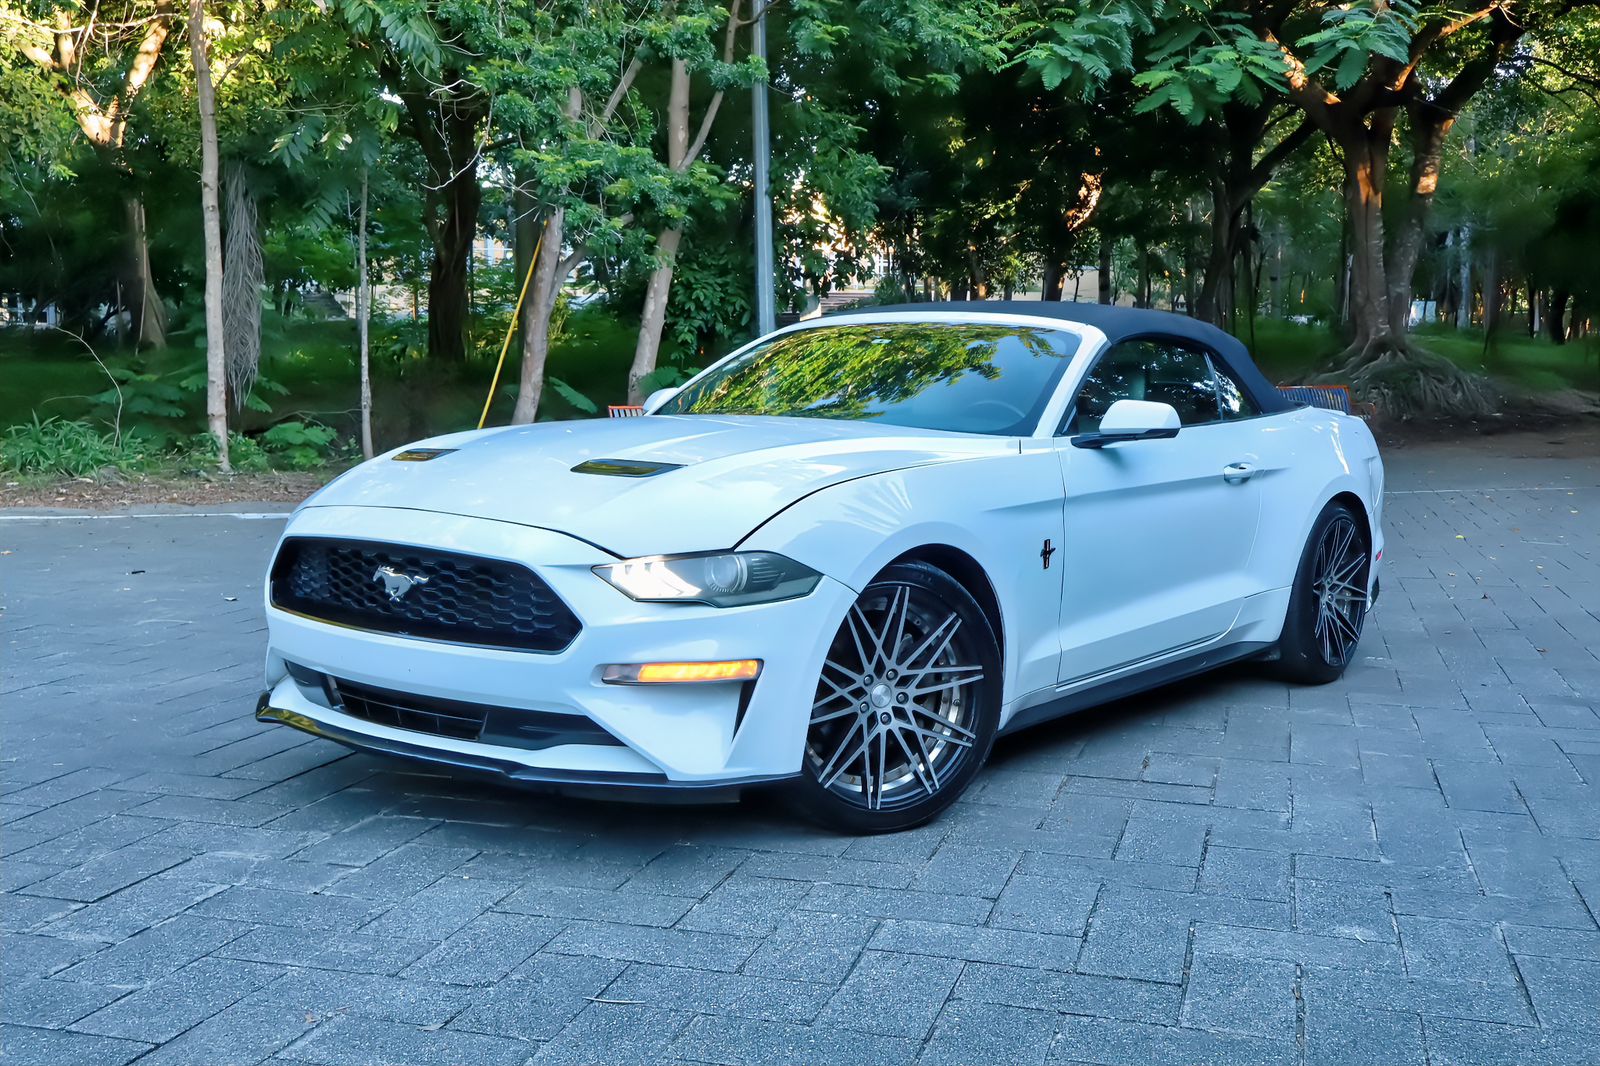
<point x="906" y="708"/>
<point x="1321" y="631"/>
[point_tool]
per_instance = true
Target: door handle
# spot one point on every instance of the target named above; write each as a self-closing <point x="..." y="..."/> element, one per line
<point x="1238" y="473"/>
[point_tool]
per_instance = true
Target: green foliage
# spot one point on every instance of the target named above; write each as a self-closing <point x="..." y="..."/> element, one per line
<point x="139" y="393"/>
<point x="1354" y="33"/>
<point x="710" y="298"/>
<point x="578" y="400"/>
<point x="1079" y="52"/>
<point x="298" y="445"/>
<point x="54" y="447"/>
<point x="1198" y="63"/>
<point x="664" y="377"/>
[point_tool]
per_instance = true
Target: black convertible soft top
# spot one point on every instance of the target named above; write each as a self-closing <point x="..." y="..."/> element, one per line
<point x="1119" y="324"/>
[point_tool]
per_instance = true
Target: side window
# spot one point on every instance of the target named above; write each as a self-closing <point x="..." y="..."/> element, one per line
<point x="1147" y="370"/>
<point x="1234" y="400"/>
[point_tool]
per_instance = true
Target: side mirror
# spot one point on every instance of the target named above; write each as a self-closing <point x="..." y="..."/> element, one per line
<point x="657" y="398"/>
<point x="1132" y="420"/>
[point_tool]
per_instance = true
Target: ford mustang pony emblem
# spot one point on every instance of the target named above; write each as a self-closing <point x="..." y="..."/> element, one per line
<point x="397" y="582"/>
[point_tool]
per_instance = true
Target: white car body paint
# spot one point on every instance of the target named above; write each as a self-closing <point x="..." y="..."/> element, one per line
<point x="1160" y="557"/>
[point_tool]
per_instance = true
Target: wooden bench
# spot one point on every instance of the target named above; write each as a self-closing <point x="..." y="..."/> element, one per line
<point x="624" y="410"/>
<point x="1329" y="398"/>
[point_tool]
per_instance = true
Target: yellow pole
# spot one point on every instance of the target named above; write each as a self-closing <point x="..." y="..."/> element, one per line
<point x="510" y="329"/>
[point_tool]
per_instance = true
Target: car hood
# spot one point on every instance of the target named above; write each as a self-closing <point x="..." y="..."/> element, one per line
<point x="720" y="476"/>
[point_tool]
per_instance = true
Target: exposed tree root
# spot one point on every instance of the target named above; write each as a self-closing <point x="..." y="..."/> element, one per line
<point x="1406" y="382"/>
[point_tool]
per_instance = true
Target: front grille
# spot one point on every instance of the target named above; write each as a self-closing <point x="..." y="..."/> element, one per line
<point x="442" y="718"/>
<point x="452" y="597"/>
<point x="509" y="726"/>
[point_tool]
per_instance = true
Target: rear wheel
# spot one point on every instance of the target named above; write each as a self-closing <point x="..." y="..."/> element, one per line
<point x="1328" y="603"/>
<point x="907" y="706"/>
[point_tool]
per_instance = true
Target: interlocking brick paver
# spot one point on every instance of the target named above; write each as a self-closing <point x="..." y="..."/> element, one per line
<point x="486" y="949"/>
<point x="973" y="1031"/>
<point x="356" y="1041"/>
<point x="26" y="1044"/>
<point x="1403" y="866"/>
<point x="542" y="996"/>
<point x="896" y="995"/>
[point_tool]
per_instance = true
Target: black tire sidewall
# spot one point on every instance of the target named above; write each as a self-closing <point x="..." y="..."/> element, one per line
<point x="1300" y="658"/>
<point x="821" y="805"/>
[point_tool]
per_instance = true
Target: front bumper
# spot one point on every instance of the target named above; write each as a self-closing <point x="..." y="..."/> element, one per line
<point x="689" y="736"/>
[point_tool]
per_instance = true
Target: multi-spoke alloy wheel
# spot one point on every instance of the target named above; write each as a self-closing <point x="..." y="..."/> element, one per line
<point x="1341" y="588"/>
<point x="906" y="706"/>
<point x="1328" y="603"/>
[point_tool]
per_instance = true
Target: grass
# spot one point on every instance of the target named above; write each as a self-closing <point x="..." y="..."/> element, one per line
<point x="45" y="373"/>
<point x="49" y="374"/>
<point x="1287" y="352"/>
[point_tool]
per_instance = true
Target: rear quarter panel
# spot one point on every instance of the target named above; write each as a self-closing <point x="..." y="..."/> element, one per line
<point x="1312" y="456"/>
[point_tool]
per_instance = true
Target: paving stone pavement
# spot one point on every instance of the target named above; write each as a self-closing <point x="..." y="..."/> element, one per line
<point x="1400" y="867"/>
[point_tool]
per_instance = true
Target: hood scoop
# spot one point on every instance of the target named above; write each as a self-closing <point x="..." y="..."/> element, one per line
<point x="624" y="467"/>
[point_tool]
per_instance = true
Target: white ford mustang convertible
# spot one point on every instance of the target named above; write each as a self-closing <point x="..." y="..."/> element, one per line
<point x="846" y="557"/>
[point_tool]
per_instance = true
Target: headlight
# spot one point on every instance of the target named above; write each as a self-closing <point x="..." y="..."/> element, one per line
<point x="721" y="579"/>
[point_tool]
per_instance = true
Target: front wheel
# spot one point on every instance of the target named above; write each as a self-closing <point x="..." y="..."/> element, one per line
<point x="1328" y="603"/>
<point x="907" y="706"/>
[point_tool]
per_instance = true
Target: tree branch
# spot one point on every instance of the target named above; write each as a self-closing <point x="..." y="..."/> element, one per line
<point x="1590" y="80"/>
<point x="728" y="40"/>
<point x="144" y="63"/>
<point x="618" y="94"/>
<point x="1262" y="171"/>
<point x="1305" y="90"/>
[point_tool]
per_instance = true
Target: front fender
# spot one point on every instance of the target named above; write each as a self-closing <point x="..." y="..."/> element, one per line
<point x="999" y="510"/>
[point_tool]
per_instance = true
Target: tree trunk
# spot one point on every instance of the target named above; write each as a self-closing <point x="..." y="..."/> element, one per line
<point x="1492" y="297"/>
<point x="1379" y="363"/>
<point x="1215" y="301"/>
<point x="453" y="231"/>
<point x="148" y="313"/>
<point x="543" y="291"/>
<point x="654" y="316"/>
<point x="1464" y="299"/>
<point x="1366" y="160"/>
<point x="1555" y="319"/>
<point x="1189" y="264"/>
<point x="1104" y="279"/>
<point x="363" y="317"/>
<point x="211" y="211"/>
<point x="1051" y="284"/>
<point x="1428" y="132"/>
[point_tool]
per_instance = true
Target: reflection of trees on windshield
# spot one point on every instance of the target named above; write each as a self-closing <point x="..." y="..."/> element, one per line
<point x="855" y="372"/>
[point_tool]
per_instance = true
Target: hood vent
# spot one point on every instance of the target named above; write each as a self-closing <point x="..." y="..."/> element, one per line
<point x="624" y="467"/>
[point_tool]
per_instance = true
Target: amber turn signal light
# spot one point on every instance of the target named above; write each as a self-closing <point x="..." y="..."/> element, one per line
<point x="680" y="673"/>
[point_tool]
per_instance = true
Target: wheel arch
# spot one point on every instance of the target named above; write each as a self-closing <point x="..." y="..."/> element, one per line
<point x="1359" y="506"/>
<point x="970" y="574"/>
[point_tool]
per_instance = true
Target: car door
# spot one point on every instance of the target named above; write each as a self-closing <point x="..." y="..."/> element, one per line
<point x="1157" y="533"/>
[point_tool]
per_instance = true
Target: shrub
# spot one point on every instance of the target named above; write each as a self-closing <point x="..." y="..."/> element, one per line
<point x="59" y="448"/>
<point x="298" y="445"/>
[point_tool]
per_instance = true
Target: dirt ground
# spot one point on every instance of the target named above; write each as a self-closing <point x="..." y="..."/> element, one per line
<point x="1555" y="439"/>
<point x="115" y="494"/>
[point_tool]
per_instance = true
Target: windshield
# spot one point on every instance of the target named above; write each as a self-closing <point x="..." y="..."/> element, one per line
<point x="925" y="375"/>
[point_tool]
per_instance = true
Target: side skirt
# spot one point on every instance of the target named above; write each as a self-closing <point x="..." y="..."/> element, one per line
<point x="1128" y="685"/>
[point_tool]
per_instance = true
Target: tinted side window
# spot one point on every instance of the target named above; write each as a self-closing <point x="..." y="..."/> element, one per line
<point x="1147" y="370"/>
<point x="1235" y="403"/>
